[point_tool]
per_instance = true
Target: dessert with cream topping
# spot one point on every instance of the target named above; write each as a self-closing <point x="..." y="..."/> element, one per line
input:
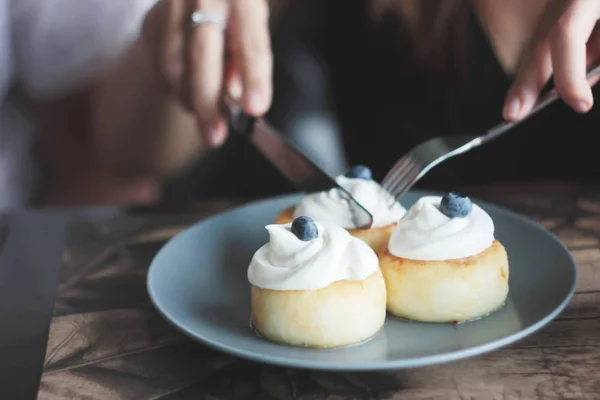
<point x="443" y="263"/>
<point x="315" y="285"/>
<point x="331" y="207"/>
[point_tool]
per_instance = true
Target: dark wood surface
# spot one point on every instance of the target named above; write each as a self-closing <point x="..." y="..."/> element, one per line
<point x="107" y="342"/>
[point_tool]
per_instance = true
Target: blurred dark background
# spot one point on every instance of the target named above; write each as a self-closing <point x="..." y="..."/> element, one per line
<point x="346" y="95"/>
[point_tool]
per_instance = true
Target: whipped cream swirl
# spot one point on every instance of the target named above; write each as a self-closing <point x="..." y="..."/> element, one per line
<point x="425" y="233"/>
<point x="332" y="207"/>
<point x="288" y="263"/>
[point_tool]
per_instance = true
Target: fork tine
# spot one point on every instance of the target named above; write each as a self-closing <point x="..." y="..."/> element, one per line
<point x="408" y="168"/>
<point x="393" y="171"/>
<point x="407" y="184"/>
<point x="385" y="183"/>
<point x="405" y="181"/>
<point x="408" y="164"/>
<point x="397" y="171"/>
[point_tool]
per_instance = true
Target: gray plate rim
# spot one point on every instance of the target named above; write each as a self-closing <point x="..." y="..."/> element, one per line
<point x="403" y="363"/>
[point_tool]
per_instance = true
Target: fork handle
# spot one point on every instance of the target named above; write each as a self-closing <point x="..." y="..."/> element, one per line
<point x="542" y="103"/>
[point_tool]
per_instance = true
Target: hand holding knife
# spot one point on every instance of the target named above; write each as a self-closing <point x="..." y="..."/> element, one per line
<point x="297" y="168"/>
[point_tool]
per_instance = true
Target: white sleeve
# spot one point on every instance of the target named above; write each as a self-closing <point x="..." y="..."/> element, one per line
<point x="62" y="45"/>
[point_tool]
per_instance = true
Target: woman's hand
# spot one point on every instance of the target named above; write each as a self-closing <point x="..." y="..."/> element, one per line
<point x="197" y="65"/>
<point x="566" y="42"/>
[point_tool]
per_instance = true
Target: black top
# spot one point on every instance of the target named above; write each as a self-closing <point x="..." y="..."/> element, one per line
<point x="385" y="107"/>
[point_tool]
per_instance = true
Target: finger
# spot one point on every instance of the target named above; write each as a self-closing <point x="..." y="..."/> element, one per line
<point x="203" y="74"/>
<point x="233" y="82"/>
<point x="569" y="55"/>
<point x="152" y="32"/>
<point x="233" y="77"/>
<point x="171" y="56"/>
<point x="534" y="70"/>
<point x="252" y="53"/>
<point x="531" y="79"/>
<point x="593" y="54"/>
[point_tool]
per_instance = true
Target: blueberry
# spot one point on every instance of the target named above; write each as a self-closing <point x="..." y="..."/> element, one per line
<point x="305" y="229"/>
<point x="455" y="205"/>
<point x="360" y="172"/>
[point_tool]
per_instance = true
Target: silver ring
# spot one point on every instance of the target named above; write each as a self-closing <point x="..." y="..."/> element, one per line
<point x="200" y="17"/>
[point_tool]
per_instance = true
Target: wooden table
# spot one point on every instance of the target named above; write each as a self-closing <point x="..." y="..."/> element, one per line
<point x="107" y="342"/>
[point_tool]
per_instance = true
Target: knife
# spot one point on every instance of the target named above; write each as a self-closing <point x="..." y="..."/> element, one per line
<point x="289" y="160"/>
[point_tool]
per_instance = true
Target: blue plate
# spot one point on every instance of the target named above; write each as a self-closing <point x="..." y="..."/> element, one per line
<point x="198" y="282"/>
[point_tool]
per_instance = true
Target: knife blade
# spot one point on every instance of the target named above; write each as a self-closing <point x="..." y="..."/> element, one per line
<point x="290" y="161"/>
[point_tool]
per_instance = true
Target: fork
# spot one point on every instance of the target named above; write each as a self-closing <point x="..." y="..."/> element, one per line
<point x="422" y="158"/>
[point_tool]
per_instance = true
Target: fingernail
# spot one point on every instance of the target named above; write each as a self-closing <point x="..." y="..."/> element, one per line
<point x="214" y="134"/>
<point x="583" y="106"/>
<point x="512" y="108"/>
<point x="235" y="88"/>
<point x="256" y="101"/>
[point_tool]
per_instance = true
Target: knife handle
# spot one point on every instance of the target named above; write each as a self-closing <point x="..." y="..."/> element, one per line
<point x="238" y="120"/>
